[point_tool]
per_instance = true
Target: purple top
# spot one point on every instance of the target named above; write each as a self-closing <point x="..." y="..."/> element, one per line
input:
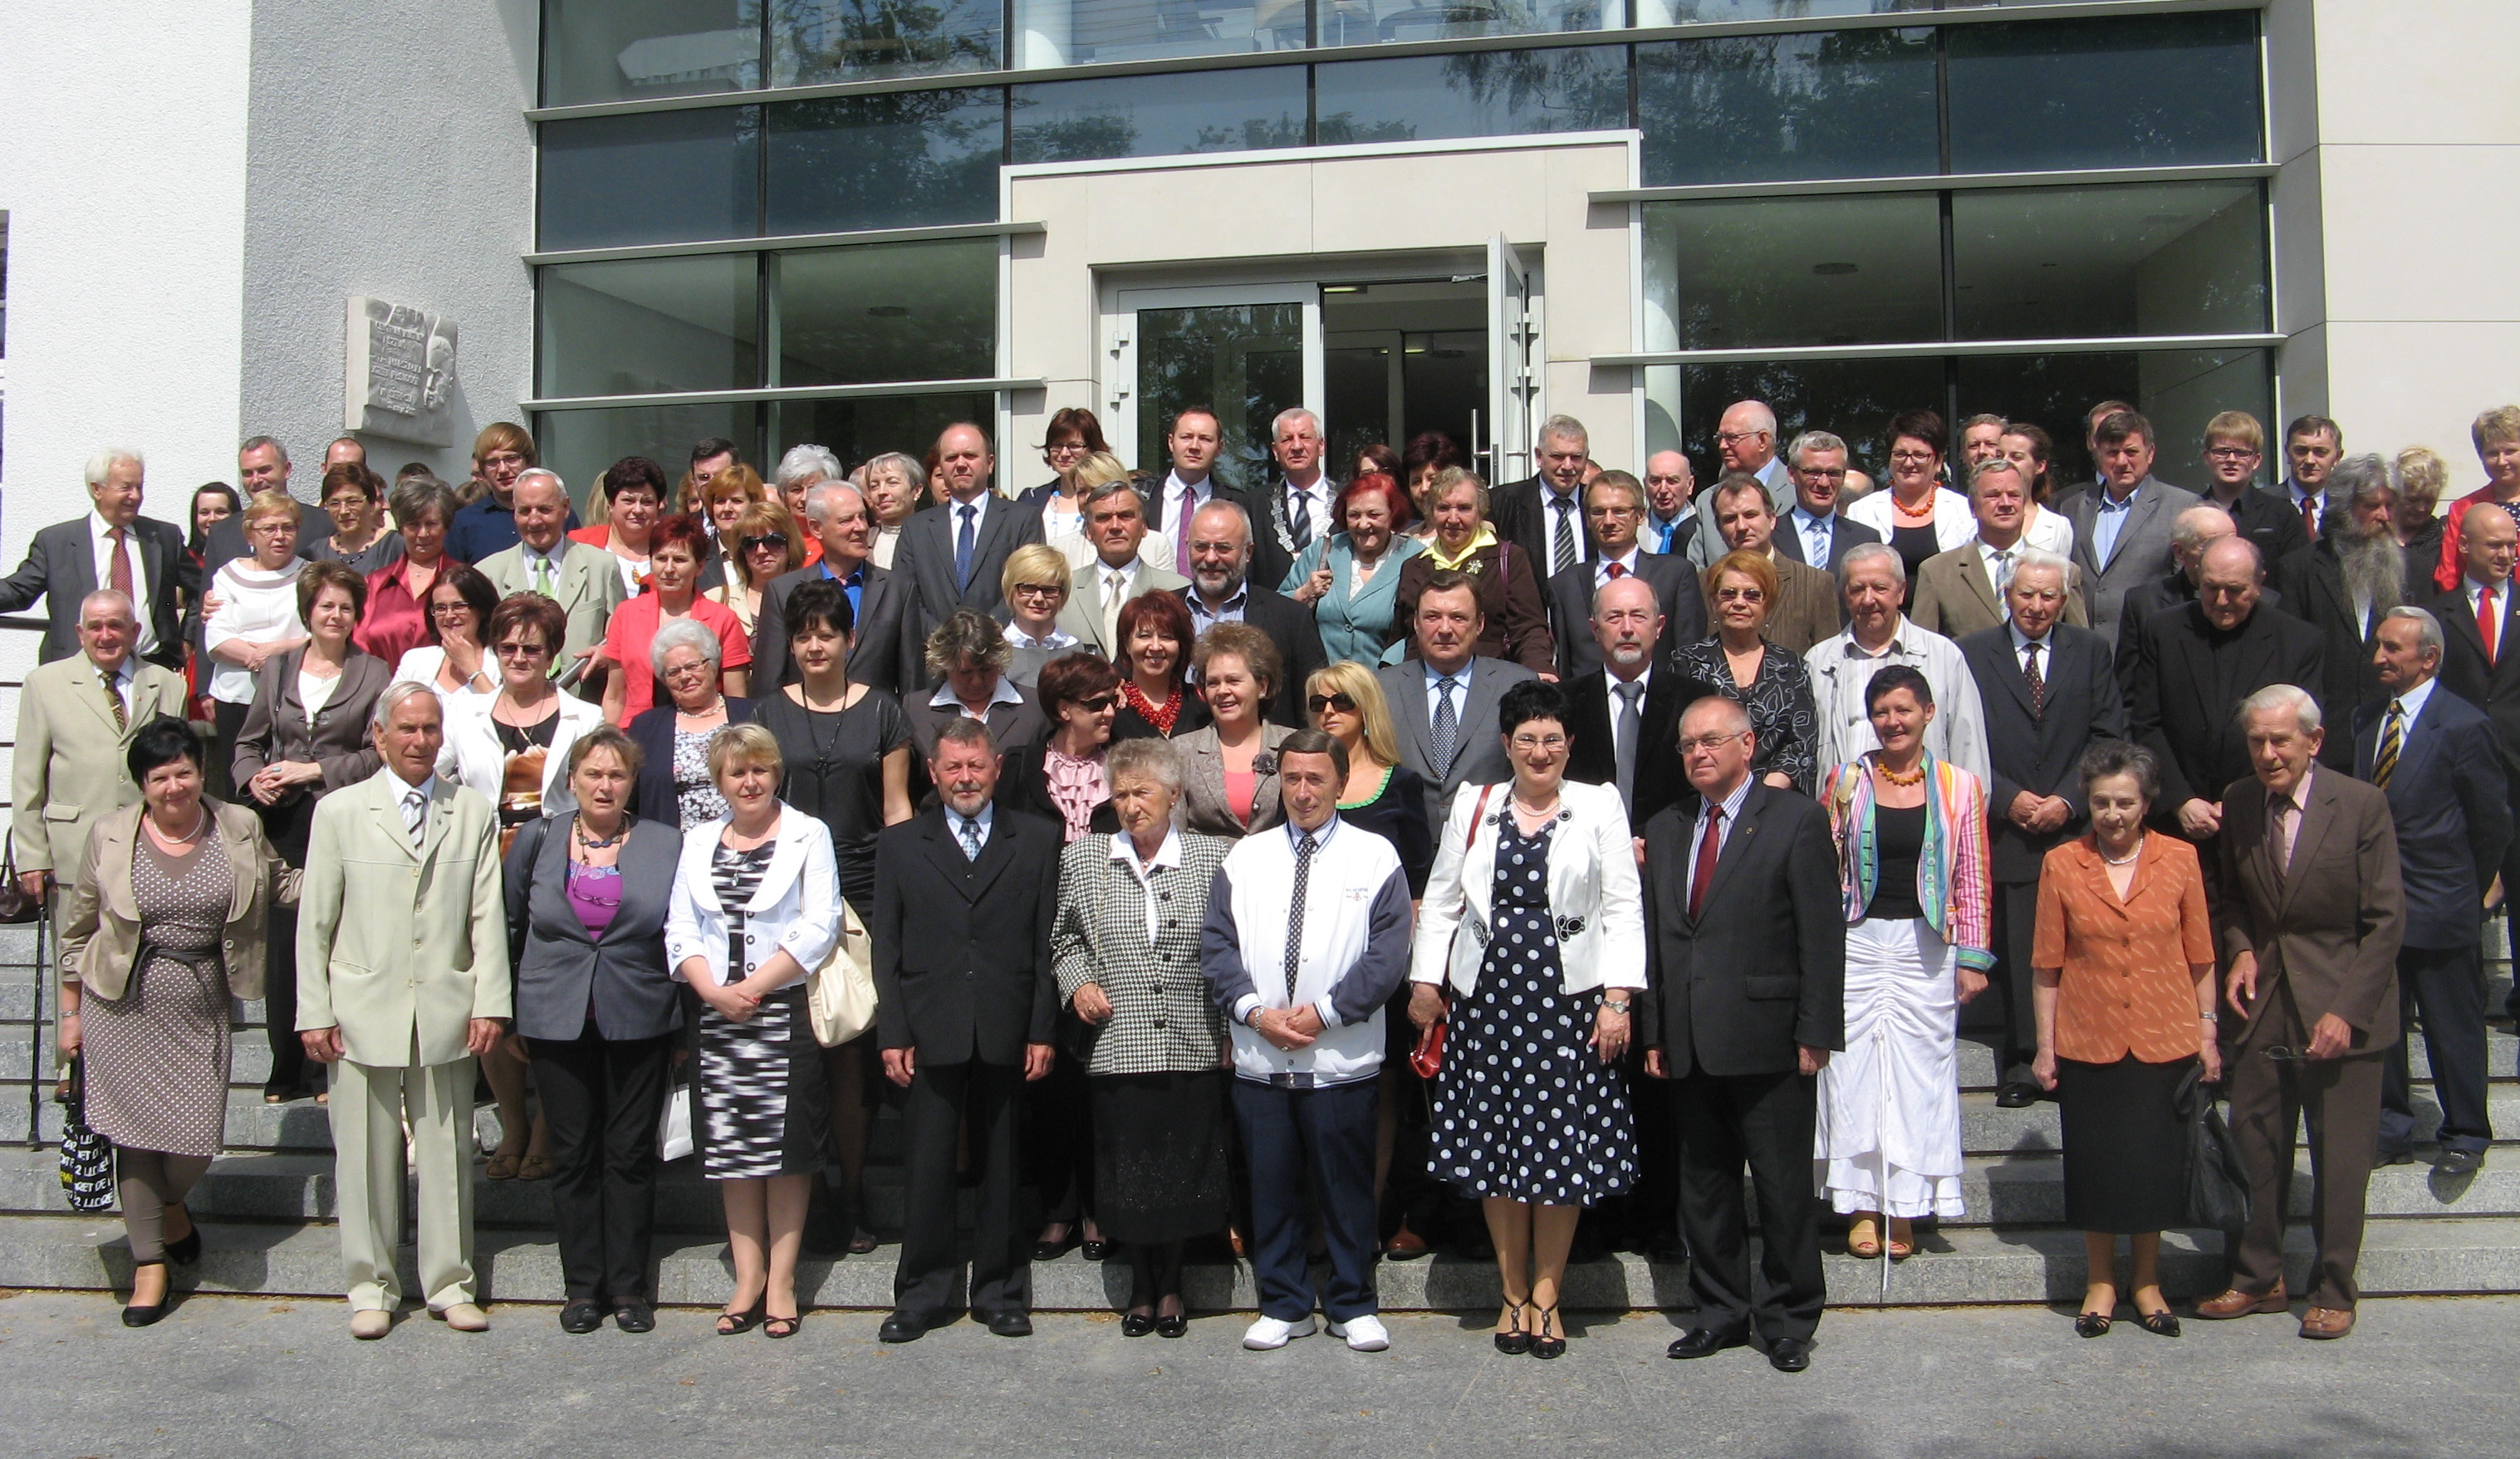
<point x="594" y="895"/>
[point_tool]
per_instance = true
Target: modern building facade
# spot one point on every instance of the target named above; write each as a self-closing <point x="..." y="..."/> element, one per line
<point x="850" y="221"/>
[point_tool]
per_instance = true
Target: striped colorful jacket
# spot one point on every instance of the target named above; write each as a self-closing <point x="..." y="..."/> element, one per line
<point x="1952" y="884"/>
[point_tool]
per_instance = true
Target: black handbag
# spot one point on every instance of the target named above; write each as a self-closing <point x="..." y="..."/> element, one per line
<point x="15" y="906"/>
<point x="87" y="1158"/>
<point x="2217" y="1185"/>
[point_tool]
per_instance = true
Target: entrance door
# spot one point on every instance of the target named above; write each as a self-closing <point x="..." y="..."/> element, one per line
<point x="1245" y="351"/>
<point x="1513" y="375"/>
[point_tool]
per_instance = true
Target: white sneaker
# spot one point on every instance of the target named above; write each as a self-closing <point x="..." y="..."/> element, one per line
<point x="1363" y="1334"/>
<point x="1270" y="1333"/>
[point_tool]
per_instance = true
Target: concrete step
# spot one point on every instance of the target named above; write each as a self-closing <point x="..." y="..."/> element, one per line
<point x="1953" y="1268"/>
<point x="1987" y="1129"/>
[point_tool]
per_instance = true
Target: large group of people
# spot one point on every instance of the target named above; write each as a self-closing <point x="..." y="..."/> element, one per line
<point x="1288" y="865"/>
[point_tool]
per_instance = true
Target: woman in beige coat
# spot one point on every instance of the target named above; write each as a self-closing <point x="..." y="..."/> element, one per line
<point x="167" y="924"/>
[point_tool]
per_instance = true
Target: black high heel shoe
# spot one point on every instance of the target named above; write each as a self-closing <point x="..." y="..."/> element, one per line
<point x="2093" y="1325"/>
<point x="1175" y="1326"/>
<point x="1517" y="1343"/>
<point x="744" y="1321"/>
<point x="2161" y="1324"/>
<point x="140" y="1316"/>
<point x="1542" y="1346"/>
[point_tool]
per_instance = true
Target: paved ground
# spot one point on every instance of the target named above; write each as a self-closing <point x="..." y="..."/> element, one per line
<point x="257" y="1379"/>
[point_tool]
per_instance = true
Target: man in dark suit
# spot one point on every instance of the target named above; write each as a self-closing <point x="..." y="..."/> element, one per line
<point x="1614" y="506"/>
<point x="1193" y="442"/>
<point x="113" y="547"/>
<point x="955" y="553"/>
<point x="1811" y="532"/>
<point x="2484" y="668"/>
<point x="2235" y="447"/>
<point x="2344" y="584"/>
<point x="1444" y="701"/>
<point x="2122" y="528"/>
<point x="1620" y="717"/>
<point x="1745" y="974"/>
<point x="2309" y="922"/>
<point x="1222" y="591"/>
<point x="1298" y="504"/>
<point x="2434" y="755"/>
<point x="1544" y="515"/>
<point x="965" y="895"/>
<point x="880" y="653"/>
<point x="2050" y="693"/>
<point x="2193" y="666"/>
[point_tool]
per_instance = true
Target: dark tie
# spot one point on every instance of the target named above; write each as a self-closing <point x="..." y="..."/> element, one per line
<point x="970" y="834"/>
<point x="1624" y="739"/>
<point x="2393" y="738"/>
<point x="2279" y="814"/>
<point x="1299" y="518"/>
<point x="1709" y="847"/>
<point x="119" y="573"/>
<point x="2038" y="681"/>
<point x="122" y="719"/>
<point x="962" y="539"/>
<point x="2309" y="516"/>
<point x="1561" y="541"/>
<point x="1295" y="919"/>
<point x="1447" y="727"/>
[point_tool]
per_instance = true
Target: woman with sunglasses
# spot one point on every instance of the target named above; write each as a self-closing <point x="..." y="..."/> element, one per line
<point x="765" y="548"/>
<point x="1754" y="673"/>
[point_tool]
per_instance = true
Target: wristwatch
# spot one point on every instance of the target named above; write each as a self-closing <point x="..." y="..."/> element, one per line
<point x="1615" y="1005"/>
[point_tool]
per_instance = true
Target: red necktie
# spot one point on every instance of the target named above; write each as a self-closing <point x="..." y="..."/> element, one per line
<point x="2309" y="516"/>
<point x="121" y="570"/>
<point x="1702" y="876"/>
<point x="2486" y="620"/>
<point x="1616" y="572"/>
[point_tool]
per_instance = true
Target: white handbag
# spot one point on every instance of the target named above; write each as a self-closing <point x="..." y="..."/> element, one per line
<point x="674" y="1127"/>
<point x="839" y="997"/>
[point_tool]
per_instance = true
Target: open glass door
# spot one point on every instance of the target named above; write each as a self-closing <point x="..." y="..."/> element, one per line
<point x="1246" y="351"/>
<point x="1513" y="375"/>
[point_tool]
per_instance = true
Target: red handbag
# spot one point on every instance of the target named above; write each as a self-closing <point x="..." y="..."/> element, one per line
<point x="1427" y="1058"/>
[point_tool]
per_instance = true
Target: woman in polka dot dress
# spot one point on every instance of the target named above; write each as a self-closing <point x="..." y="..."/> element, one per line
<point x="1532" y="917"/>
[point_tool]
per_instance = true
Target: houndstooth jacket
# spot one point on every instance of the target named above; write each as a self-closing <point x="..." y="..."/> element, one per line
<point x="1162" y="1020"/>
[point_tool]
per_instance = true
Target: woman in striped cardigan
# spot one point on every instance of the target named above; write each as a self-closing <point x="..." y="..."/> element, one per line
<point x="1913" y="858"/>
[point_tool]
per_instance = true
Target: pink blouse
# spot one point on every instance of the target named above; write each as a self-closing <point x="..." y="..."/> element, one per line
<point x="1077" y="786"/>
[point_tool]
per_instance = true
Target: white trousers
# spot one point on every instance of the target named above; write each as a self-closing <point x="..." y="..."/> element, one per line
<point x="1888" y="1137"/>
<point x="368" y="1103"/>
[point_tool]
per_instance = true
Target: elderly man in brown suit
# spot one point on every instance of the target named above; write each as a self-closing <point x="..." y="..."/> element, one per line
<point x="2310" y="921"/>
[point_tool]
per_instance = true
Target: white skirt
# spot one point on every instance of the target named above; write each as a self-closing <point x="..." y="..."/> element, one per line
<point x="1889" y="1134"/>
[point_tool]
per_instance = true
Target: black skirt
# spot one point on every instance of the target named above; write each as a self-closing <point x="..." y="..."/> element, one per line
<point x="2126" y="1148"/>
<point x="1159" y="1171"/>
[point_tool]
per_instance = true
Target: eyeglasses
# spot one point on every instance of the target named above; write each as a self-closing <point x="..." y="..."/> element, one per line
<point x="450" y="609"/>
<point x="1325" y="703"/>
<point x="1911" y="458"/>
<point x="1711" y="741"/>
<point x="1098" y="703"/>
<point x="756" y="543"/>
<point x="684" y="671"/>
<point x="2231" y="453"/>
<point x="1065" y="448"/>
<point x="1741" y="594"/>
<point x="1529" y="742"/>
<point x="1823" y="473"/>
<point x="1727" y="437"/>
<point x="521" y="650"/>
<point x="503" y="459"/>
<point x="1038" y="590"/>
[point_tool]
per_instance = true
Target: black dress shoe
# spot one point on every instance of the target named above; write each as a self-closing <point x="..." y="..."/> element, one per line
<point x="1702" y="1342"/>
<point x="1093" y="1250"/>
<point x="1052" y="1251"/>
<point x="901" y="1327"/>
<point x="1137" y="1324"/>
<point x="1173" y="1327"/>
<point x="2394" y="1157"/>
<point x="634" y="1316"/>
<point x="188" y="1251"/>
<point x="1789" y="1354"/>
<point x="2454" y="1163"/>
<point x="1011" y="1325"/>
<point x="2017" y="1094"/>
<point x="583" y="1314"/>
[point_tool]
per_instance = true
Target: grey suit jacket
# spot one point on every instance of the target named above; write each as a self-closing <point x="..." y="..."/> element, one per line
<point x="1953" y="597"/>
<point x="1082" y="616"/>
<point x="2140" y="553"/>
<point x="277" y="727"/>
<point x="590" y="588"/>
<point x="1162" y="1021"/>
<point x="69" y="766"/>
<point x="561" y="972"/>
<point x="881" y="652"/>
<point x="1479" y="753"/>
<point x="1708" y="544"/>
<point x="925" y="556"/>
<point x="1203" y="804"/>
<point x="1570" y="610"/>
<point x="61" y="569"/>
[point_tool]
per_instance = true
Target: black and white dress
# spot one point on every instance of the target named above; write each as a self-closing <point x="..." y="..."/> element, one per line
<point x="1525" y="1110"/>
<point x="761" y="1104"/>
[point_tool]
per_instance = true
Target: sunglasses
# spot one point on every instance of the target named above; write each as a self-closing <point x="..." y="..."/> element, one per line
<point x="1098" y="703"/>
<point x="1323" y="703"/>
<point x="756" y="543"/>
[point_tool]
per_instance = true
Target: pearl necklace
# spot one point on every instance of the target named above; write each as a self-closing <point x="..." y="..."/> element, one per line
<point x="2129" y="859"/>
<point x="201" y="820"/>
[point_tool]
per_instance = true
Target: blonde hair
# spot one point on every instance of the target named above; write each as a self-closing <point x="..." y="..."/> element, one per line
<point x="1354" y="680"/>
<point x="1452" y="477"/>
<point x="1097" y="468"/>
<point x="2500" y="423"/>
<point x="2238" y="427"/>
<point x="738" y="479"/>
<point x="763" y="520"/>
<point x="271" y="504"/>
<point x="744" y="744"/>
<point x="2422" y="474"/>
<point x="1035" y="562"/>
<point x="1752" y="565"/>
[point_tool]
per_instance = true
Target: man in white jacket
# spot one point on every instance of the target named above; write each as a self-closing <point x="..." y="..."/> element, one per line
<point x="1306" y="939"/>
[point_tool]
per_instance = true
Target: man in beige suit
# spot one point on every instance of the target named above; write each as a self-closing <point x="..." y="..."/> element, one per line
<point x="1805" y="607"/>
<point x="583" y="579"/>
<point x="1115" y="523"/>
<point x="75" y="716"/>
<point x="1961" y="592"/>
<point x="402" y="983"/>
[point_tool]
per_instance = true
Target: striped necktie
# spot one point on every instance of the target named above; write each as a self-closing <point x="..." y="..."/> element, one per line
<point x="2393" y="738"/>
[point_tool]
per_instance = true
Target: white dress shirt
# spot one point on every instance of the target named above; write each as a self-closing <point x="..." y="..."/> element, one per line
<point x="146" y="634"/>
<point x="2411" y="705"/>
<point x="1125" y="851"/>
<point x="1999" y="564"/>
<point x="944" y="698"/>
<point x="1314" y="502"/>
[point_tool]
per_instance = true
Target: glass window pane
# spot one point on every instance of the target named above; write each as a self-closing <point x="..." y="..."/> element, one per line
<point x="1243" y="361"/>
<point x="631" y="50"/>
<point x="1781" y="108"/>
<point x="581" y="445"/>
<point x="2145" y="92"/>
<point x="1148" y="116"/>
<point x="2178" y="390"/>
<point x="816" y="41"/>
<point x="659" y="177"/>
<point x="1484" y="94"/>
<point x="2173" y="258"/>
<point x="897" y="159"/>
<point x="892" y="312"/>
<point x="856" y="430"/>
<point x="1798" y="271"/>
<point x="1850" y="398"/>
<point x="650" y="324"/>
<point x="1365" y="22"/>
<point x="1080" y="32"/>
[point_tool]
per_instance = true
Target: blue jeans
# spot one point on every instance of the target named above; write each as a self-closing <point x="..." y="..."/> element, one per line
<point x="1326" y="1133"/>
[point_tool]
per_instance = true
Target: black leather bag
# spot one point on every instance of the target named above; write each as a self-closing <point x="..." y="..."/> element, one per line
<point x="15" y="906"/>
<point x="2218" y="1186"/>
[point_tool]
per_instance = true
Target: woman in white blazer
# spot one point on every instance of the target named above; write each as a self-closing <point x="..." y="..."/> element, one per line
<point x="1914" y="511"/>
<point x="1532" y="916"/>
<point x="755" y="910"/>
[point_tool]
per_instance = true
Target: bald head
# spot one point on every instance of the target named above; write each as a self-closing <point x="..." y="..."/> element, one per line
<point x="2191" y="530"/>
<point x="1746" y="436"/>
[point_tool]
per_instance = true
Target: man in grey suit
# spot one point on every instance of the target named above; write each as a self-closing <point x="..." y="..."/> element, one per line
<point x="584" y="580"/>
<point x="1115" y="523"/>
<point x="2122" y="529"/>
<point x="113" y="547"/>
<point x="1811" y="531"/>
<point x="1444" y="701"/>
<point x="954" y="553"/>
<point x="879" y="657"/>
<point x="1962" y="592"/>
<point x="1614" y="506"/>
<point x="1745" y="443"/>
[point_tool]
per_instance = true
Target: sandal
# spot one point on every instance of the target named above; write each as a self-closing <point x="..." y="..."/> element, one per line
<point x="2093" y="1325"/>
<point x="2161" y="1324"/>
<point x="534" y="1168"/>
<point x="502" y="1166"/>
<point x="1543" y="1345"/>
<point x="782" y="1327"/>
<point x="861" y="1241"/>
<point x="1902" y="1247"/>
<point x="744" y="1321"/>
<point x="1514" y="1342"/>
<point x="1863" y="1239"/>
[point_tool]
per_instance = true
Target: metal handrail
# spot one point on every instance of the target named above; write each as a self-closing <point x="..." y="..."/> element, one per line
<point x="36" y="1023"/>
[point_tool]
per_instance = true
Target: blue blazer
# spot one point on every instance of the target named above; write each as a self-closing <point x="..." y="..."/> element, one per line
<point x="2450" y="801"/>
<point x="1357" y="629"/>
<point x="652" y="731"/>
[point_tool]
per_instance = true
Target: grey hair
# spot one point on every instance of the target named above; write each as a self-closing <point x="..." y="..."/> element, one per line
<point x="803" y="462"/>
<point x="1220" y="504"/>
<point x="2428" y="629"/>
<point x="2353" y="481"/>
<point x="1868" y="552"/>
<point x="2305" y="709"/>
<point x="911" y="467"/>
<point x="1452" y="477"/>
<point x="1979" y="472"/>
<point x="1155" y="759"/>
<point x="684" y="632"/>
<point x="2030" y="557"/>
<point x="1731" y="709"/>
<point x="2119" y="757"/>
<point x="394" y="696"/>
<point x="101" y="465"/>
<point x="414" y="496"/>
<point x="962" y="729"/>
<point x="1762" y="417"/>
<point x="2188" y="529"/>
<point x="1104" y="491"/>
<point x="819" y="496"/>
<point x="1294" y="412"/>
<point x="130" y="613"/>
<point x="261" y="443"/>
<point x="530" y="473"/>
<point x="1564" y="428"/>
<point x="1811" y="440"/>
<point x="968" y="636"/>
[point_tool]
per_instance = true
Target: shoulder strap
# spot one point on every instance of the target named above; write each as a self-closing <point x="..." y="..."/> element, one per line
<point x="1471" y="833"/>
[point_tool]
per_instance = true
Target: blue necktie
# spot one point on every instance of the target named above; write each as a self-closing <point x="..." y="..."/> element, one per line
<point x="1668" y="528"/>
<point x="1447" y="725"/>
<point x="963" y="536"/>
<point x="970" y="834"/>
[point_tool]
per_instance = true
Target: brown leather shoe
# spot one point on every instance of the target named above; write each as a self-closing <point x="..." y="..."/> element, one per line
<point x="2326" y="1322"/>
<point x="1405" y="1244"/>
<point x="2238" y="1304"/>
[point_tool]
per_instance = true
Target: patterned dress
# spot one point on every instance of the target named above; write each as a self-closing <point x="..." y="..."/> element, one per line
<point x="695" y="788"/>
<point x="1525" y="1110"/>
<point x="156" y="1057"/>
<point x="762" y="1102"/>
